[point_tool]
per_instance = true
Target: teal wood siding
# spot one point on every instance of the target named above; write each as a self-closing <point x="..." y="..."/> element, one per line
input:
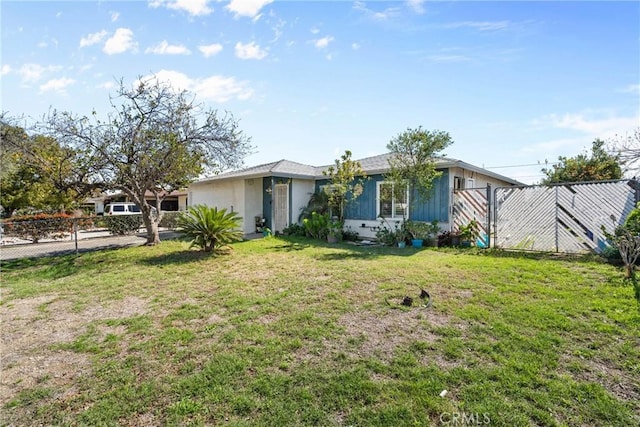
<point x="364" y="207"/>
<point x="266" y="201"/>
<point x="437" y="207"/>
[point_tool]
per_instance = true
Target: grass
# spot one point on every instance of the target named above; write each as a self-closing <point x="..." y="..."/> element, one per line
<point x="287" y="332"/>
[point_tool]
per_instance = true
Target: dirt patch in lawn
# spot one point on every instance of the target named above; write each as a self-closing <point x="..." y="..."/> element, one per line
<point x="31" y="326"/>
<point x="381" y="335"/>
<point x="616" y="381"/>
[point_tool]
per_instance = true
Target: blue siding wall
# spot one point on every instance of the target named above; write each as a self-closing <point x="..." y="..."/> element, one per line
<point x="266" y="201"/>
<point x="364" y="207"/>
<point x="437" y="207"/>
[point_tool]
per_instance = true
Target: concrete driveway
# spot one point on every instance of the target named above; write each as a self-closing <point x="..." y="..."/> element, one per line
<point x="86" y="242"/>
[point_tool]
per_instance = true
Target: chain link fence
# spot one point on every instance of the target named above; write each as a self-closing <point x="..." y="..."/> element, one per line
<point x="46" y="235"/>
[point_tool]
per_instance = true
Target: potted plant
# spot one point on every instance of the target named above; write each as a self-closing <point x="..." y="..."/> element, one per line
<point x="334" y="234"/>
<point x="469" y="233"/>
<point x="421" y="231"/>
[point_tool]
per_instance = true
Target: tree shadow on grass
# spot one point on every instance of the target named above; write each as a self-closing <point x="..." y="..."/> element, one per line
<point x="179" y="257"/>
<point x="53" y="267"/>
<point x="540" y="256"/>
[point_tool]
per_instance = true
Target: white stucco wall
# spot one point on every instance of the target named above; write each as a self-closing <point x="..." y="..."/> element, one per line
<point x="182" y="203"/>
<point x="300" y="193"/>
<point x="252" y="203"/>
<point x="229" y="195"/>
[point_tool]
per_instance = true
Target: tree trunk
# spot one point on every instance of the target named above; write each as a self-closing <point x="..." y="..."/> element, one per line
<point x="151" y="224"/>
<point x="630" y="271"/>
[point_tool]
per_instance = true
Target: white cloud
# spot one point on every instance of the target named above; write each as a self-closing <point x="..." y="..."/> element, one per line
<point x="634" y="89"/>
<point x="58" y="15"/>
<point x="192" y="7"/>
<point x="250" y="51"/>
<point x="247" y="8"/>
<point x="417" y="6"/>
<point x="164" y="48"/>
<point x="449" y="58"/>
<point x="57" y="85"/>
<point x="120" y="42"/>
<point x="601" y="127"/>
<point x="93" y="38"/>
<point x="106" y="85"/>
<point x="385" y="15"/>
<point x="215" y="88"/>
<point x="115" y="16"/>
<point x="480" y="25"/>
<point x="323" y="42"/>
<point x="6" y="69"/>
<point x="355" y="46"/>
<point x="210" y="49"/>
<point x="33" y="72"/>
<point x="314" y="30"/>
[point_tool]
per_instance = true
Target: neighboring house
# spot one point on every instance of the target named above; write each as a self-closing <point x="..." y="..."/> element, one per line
<point x="278" y="191"/>
<point x="174" y="201"/>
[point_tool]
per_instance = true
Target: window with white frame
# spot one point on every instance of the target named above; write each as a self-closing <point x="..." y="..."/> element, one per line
<point x="393" y="202"/>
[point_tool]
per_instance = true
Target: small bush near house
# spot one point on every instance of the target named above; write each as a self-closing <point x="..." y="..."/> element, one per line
<point x="123" y="225"/>
<point x="170" y="220"/>
<point x="39" y="226"/>
<point x="295" y="230"/>
<point x="350" y="235"/>
<point x="317" y="226"/>
<point x="210" y="229"/>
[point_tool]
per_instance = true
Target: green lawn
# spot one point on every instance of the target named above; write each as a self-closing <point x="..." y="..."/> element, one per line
<point x="290" y="332"/>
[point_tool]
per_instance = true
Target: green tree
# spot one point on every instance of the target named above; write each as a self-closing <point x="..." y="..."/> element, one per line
<point x="413" y="160"/>
<point x="346" y="179"/>
<point x="157" y="141"/>
<point x="597" y="166"/>
<point x="36" y="172"/>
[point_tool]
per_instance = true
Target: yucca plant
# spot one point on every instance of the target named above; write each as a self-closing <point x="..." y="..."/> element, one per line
<point x="210" y="229"/>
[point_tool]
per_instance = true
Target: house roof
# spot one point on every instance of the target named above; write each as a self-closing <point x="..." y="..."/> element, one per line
<point x="370" y="165"/>
<point x="283" y="168"/>
<point x="380" y="164"/>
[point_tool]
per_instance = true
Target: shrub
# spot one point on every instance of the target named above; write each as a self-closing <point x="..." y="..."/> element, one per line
<point x="39" y="226"/>
<point x="295" y="230"/>
<point x="317" y="226"/>
<point x="350" y="235"/>
<point x="389" y="236"/>
<point x="448" y="238"/>
<point x="170" y="220"/>
<point x="122" y="225"/>
<point x="210" y="229"/>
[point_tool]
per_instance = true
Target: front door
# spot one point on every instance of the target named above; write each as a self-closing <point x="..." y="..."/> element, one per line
<point x="280" y="207"/>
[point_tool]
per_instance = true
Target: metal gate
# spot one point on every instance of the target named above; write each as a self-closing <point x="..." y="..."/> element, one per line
<point x="563" y="217"/>
<point x="474" y="204"/>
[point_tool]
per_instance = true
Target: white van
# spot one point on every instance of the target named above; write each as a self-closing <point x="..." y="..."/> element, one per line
<point x="122" y="209"/>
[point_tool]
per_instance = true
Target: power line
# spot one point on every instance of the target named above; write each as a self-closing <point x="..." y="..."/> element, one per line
<point x="520" y="166"/>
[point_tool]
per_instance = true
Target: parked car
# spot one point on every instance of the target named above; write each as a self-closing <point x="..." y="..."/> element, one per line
<point x="122" y="209"/>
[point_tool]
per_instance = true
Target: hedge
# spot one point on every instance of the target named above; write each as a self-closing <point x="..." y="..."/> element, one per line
<point x="123" y="224"/>
<point x="39" y="226"/>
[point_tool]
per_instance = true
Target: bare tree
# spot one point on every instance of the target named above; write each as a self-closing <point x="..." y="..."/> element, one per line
<point x="155" y="140"/>
<point x="628" y="149"/>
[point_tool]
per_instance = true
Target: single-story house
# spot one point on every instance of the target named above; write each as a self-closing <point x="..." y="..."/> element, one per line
<point x="174" y="201"/>
<point x="277" y="192"/>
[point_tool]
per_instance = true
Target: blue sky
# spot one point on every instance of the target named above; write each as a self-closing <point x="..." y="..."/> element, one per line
<point x="514" y="83"/>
